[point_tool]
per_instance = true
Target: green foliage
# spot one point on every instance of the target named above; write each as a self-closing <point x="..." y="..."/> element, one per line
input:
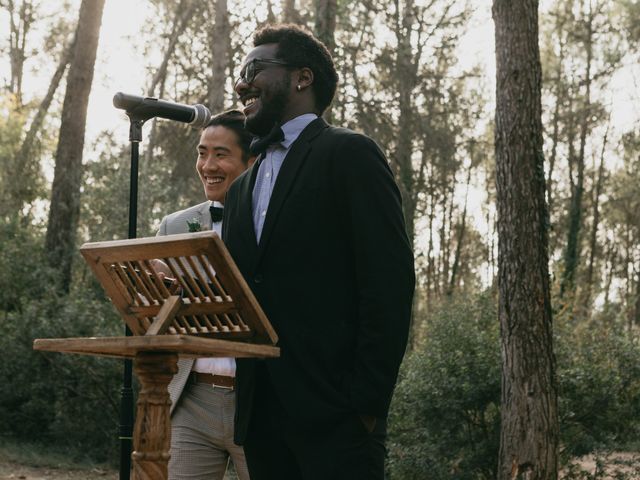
<point x="24" y="274"/>
<point x="68" y="400"/>
<point x="599" y="387"/>
<point x="444" y="420"/>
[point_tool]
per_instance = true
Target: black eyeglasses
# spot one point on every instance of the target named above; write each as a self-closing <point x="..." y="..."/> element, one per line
<point x="251" y="69"/>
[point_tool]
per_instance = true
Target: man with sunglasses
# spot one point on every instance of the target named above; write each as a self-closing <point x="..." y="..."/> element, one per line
<point x="316" y="228"/>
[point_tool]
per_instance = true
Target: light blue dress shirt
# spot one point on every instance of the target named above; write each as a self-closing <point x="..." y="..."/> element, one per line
<point x="270" y="168"/>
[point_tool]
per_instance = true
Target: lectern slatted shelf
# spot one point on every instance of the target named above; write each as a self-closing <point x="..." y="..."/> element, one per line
<point x="214" y="301"/>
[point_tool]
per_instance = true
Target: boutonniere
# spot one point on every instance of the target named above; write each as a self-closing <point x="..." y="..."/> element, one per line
<point x="194" y="225"/>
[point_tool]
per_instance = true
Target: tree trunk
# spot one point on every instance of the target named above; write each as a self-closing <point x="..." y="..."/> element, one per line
<point x="65" y="193"/>
<point x="636" y="308"/>
<point x="610" y="263"/>
<point x="572" y="253"/>
<point x="183" y="13"/>
<point x="588" y="287"/>
<point x="406" y="78"/>
<point x="460" y="239"/>
<point x="559" y="94"/>
<point x="325" y="22"/>
<point x="529" y="412"/>
<point x="19" y="26"/>
<point x="325" y="26"/>
<point x="220" y="35"/>
<point x="289" y="12"/>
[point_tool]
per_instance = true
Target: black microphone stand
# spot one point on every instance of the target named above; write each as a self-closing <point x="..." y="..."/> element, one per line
<point x="126" y="394"/>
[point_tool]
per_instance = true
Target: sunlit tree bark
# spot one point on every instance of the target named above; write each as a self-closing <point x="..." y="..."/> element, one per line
<point x="220" y="35"/>
<point x="529" y="410"/>
<point x="67" y="181"/>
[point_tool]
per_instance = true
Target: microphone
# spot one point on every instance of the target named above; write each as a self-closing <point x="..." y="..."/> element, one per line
<point x="144" y="108"/>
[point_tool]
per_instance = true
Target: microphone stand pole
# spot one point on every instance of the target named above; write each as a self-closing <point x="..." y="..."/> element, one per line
<point x="126" y="394"/>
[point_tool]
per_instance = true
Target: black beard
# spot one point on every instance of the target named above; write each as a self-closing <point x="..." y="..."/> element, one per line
<point x="271" y="109"/>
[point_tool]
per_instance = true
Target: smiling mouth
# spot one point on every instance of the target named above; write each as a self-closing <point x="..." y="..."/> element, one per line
<point x="249" y="100"/>
<point x="213" y="180"/>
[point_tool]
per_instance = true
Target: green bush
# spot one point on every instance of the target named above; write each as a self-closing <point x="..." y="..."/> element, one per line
<point x="599" y="388"/>
<point x="444" y="419"/>
<point x="67" y="400"/>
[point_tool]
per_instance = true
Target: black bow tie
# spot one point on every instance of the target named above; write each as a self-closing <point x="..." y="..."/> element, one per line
<point x="259" y="145"/>
<point x="216" y="213"/>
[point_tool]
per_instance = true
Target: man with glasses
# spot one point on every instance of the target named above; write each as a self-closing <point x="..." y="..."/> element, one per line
<point x="316" y="228"/>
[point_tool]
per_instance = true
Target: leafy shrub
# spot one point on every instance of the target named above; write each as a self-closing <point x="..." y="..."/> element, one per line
<point x="69" y="400"/>
<point x="599" y="387"/>
<point x="444" y="419"/>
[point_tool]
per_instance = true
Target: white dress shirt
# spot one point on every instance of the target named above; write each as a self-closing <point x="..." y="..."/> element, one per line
<point x="216" y="366"/>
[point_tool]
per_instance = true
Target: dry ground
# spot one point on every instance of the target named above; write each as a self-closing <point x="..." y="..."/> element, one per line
<point x="13" y="471"/>
<point x="626" y="462"/>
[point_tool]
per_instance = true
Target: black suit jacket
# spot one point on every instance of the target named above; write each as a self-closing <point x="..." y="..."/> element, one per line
<point x="334" y="274"/>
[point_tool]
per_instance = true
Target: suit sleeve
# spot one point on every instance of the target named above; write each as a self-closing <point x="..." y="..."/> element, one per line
<point x="163" y="228"/>
<point x="374" y="221"/>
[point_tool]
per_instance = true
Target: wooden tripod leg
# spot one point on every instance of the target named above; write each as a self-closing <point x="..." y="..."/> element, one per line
<point x="152" y="432"/>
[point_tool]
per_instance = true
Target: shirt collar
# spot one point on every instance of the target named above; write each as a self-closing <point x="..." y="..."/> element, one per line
<point x="294" y="127"/>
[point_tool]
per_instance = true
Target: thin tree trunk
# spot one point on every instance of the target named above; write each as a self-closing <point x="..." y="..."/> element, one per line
<point x="572" y="253"/>
<point x="460" y="240"/>
<point x="65" y="193"/>
<point x="610" y="260"/>
<point x="220" y="37"/>
<point x="529" y="412"/>
<point x="325" y="22"/>
<point x="556" y="119"/>
<point x="406" y="83"/>
<point x="430" y="280"/>
<point x="628" y="277"/>
<point x="636" y="309"/>
<point x="183" y="13"/>
<point x="18" y="30"/>
<point x="36" y="123"/>
<point x="596" y="223"/>
<point x="289" y="12"/>
<point x="325" y="26"/>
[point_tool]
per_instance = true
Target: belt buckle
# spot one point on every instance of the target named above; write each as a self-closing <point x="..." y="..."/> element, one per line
<point x="215" y="385"/>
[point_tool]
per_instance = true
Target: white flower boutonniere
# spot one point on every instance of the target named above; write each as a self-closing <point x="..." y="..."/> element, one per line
<point x="194" y="225"/>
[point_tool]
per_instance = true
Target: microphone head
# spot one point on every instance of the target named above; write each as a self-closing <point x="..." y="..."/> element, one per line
<point x="201" y="117"/>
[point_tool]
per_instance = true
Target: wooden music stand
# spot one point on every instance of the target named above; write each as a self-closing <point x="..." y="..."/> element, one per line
<point x="216" y="315"/>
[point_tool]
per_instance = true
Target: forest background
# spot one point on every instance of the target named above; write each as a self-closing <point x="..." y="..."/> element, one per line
<point x="418" y="77"/>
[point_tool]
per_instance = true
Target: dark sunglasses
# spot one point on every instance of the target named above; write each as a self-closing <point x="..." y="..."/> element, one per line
<point x="251" y="69"/>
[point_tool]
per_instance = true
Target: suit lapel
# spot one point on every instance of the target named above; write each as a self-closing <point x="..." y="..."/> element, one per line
<point x="205" y="216"/>
<point x="290" y="168"/>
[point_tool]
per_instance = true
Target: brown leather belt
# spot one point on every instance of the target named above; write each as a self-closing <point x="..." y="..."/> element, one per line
<point x="213" y="380"/>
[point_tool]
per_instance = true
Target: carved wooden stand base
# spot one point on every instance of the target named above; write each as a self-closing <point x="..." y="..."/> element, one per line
<point x="152" y="431"/>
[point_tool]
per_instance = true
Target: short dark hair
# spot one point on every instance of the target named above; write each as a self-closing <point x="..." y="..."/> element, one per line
<point x="297" y="46"/>
<point x="234" y="121"/>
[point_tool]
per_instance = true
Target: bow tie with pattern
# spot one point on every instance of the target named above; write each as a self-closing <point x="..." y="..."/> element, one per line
<point x="216" y="213"/>
<point x="259" y="145"/>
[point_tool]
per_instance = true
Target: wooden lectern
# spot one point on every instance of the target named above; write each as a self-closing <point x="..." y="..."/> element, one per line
<point x="215" y="315"/>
